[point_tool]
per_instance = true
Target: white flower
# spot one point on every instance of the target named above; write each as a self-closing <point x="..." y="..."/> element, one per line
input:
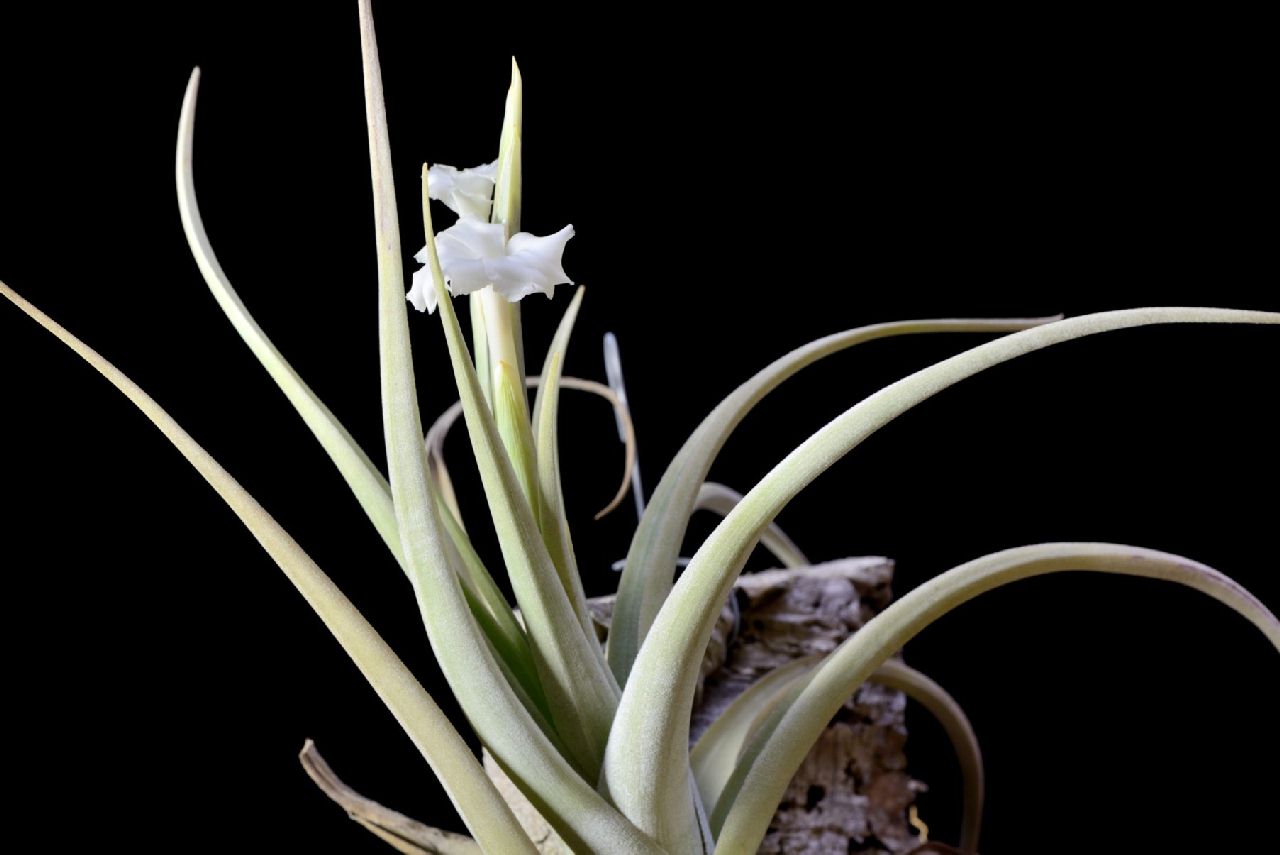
<point x="466" y="192"/>
<point x="474" y="255"/>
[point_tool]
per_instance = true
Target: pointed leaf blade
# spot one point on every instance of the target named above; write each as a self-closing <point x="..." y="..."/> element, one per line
<point x="643" y="762"/>
<point x="651" y="560"/>
<point x="364" y="479"/>
<point x="576" y="810"/>
<point x="479" y="804"/>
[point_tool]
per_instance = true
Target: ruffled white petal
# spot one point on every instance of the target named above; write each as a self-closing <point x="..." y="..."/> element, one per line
<point x="423" y="293"/>
<point x="466" y="192"/>
<point x="474" y="255"/>
<point x="466" y="275"/>
<point x="470" y="239"/>
<point x="532" y="264"/>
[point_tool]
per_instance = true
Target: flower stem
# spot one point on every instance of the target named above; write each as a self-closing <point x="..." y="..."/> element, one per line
<point x="504" y="360"/>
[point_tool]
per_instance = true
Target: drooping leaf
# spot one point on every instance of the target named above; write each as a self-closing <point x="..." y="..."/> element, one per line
<point x="893" y="673"/>
<point x="445" y="421"/>
<point x="720" y="499"/>
<point x="761" y="780"/>
<point x="651" y="560"/>
<point x="896" y="674"/>
<point x="644" y="761"/>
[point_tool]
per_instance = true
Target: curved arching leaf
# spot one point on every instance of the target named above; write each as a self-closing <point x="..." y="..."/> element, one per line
<point x="644" y="760"/>
<point x="715" y="755"/>
<point x="753" y="715"/>
<point x="364" y="479"/>
<point x="477" y="801"/>
<point x="445" y="421"/>
<point x="761" y="781"/>
<point x="896" y="674"/>
<point x="720" y="499"/>
<point x="651" y="559"/>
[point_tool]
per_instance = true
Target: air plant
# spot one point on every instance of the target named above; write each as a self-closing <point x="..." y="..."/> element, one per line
<point x="596" y="737"/>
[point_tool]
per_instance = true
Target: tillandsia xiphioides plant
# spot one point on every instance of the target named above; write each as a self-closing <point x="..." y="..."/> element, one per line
<point x="597" y="738"/>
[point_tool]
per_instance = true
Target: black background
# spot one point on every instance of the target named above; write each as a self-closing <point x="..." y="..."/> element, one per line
<point x="736" y="190"/>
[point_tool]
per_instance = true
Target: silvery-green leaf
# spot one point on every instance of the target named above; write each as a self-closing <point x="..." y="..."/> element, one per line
<point x="503" y="334"/>
<point x="774" y="701"/>
<point x="760" y="781"/>
<point x="571" y="666"/>
<point x="715" y="754"/>
<point x="494" y="615"/>
<point x="511" y="417"/>
<point x="507" y="185"/>
<point x="487" y="308"/>
<point x="896" y="674"/>
<point x="651" y="560"/>
<point x="481" y="808"/>
<point x="366" y="482"/>
<point x="551" y="514"/>
<point x="720" y="499"/>
<point x="504" y="724"/>
<point x="480" y="338"/>
<point x="644" y="762"/>
<point x="435" y="437"/>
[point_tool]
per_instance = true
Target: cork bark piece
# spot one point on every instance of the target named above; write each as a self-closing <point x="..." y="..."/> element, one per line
<point x="852" y="793"/>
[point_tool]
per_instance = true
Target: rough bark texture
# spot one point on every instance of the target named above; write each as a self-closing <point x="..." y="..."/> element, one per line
<point x="852" y="792"/>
